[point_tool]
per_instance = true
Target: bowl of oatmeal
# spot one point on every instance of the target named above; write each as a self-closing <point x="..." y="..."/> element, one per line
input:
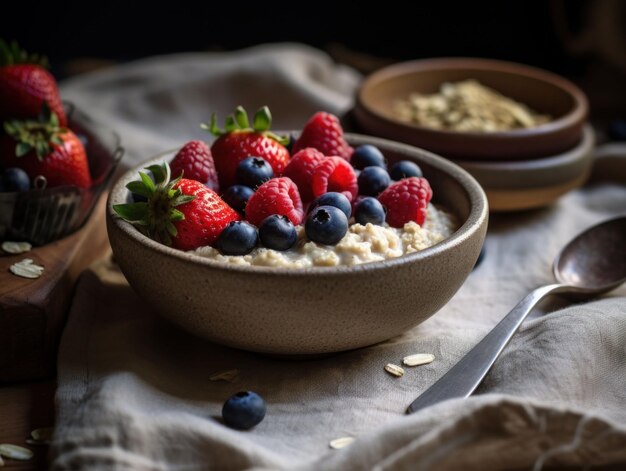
<point x="374" y="284"/>
<point x="473" y="109"/>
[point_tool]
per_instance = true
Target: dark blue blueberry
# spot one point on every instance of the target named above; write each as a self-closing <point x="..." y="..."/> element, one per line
<point x="405" y="169"/>
<point x="140" y="198"/>
<point x="373" y="180"/>
<point x="15" y="179"/>
<point x="238" y="238"/>
<point x="237" y="197"/>
<point x="326" y="225"/>
<point x="369" y="209"/>
<point x="253" y="171"/>
<point x="292" y="140"/>
<point x="617" y="130"/>
<point x="367" y="156"/>
<point x="332" y="198"/>
<point x="278" y="232"/>
<point x="243" y="410"/>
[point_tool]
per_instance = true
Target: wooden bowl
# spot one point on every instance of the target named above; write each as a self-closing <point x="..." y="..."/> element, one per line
<point x="310" y="310"/>
<point x="542" y="91"/>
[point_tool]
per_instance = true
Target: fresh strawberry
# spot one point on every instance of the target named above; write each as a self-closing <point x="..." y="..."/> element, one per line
<point x="275" y="196"/>
<point x="25" y="85"/>
<point x="240" y="141"/>
<point x="334" y="174"/>
<point x="300" y="169"/>
<point x="194" y="162"/>
<point x="44" y="148"/>
<point x="406" y="200"/>
<point x="324" y="133"/>
<point x="182" y="213"/>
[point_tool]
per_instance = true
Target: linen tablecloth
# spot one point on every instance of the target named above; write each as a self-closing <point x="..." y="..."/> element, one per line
<point x="134" y="392"/>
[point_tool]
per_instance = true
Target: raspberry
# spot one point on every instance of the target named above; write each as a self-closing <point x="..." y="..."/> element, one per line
<point x="195" y="162"/>
<point x="324" y="132"/>
<point x="406" y="201"/>
<point x="334" y="174"/>
<point x="300" y="169"/>
<point x="275" y="196"/>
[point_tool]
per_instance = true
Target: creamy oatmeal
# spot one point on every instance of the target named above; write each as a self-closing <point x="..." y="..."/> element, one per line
<point x="361" y="244"/>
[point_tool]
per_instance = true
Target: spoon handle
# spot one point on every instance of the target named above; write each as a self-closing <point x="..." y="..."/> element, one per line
<point x="464" y="377"/>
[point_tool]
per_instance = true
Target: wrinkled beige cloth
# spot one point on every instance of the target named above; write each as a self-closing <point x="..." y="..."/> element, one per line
<point x="134" y="392"/>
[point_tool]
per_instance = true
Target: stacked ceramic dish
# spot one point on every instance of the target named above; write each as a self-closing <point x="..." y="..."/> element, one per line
<point x="521" y="168"/>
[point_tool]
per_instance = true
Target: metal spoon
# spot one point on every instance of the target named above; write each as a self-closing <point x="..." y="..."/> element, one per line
<point x="591" y="264"/>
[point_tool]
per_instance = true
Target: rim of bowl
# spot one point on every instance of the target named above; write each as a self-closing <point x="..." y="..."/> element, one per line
<point x="477" y="217"/>
<point x="576" y="114"/>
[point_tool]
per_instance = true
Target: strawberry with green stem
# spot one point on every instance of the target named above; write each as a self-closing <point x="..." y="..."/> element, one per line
<point x="25" y="85"/>
<point x="182" y="213"/>
<point x="240" y="140"/>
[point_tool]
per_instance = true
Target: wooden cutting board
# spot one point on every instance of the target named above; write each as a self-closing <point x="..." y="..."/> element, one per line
<point x="33" y="312"/>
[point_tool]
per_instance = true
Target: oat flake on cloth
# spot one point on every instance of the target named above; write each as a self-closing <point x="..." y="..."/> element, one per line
<point x="134" y="392"/>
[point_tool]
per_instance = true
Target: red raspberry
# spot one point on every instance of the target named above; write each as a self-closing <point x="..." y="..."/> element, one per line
<point x="406" y="201"/>
<point x="334" y="174"/>
<point x="195" y="162"/>
<point x="300" y="169"/>
<point x="275" y="196"/>
<point x="324" y="132"/>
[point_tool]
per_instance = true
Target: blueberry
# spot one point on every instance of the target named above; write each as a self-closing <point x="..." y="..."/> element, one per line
<point x="335" y="199"/>
<point x="373" y="180"/>
<point x="370" y="210"/>
<point x="277" y="232"/>
<point x="367" y="156"/>
<point x="238" y="238"/>
<point x="253" y="171"/>
<point x="140" y="198"/>
<point x="405" y="169"/>
<point x="243" y="410"/>
<point x="15" y="179"/>
<point x="292" y="140"/>
<point x="617" y="130"/>
<point x="326" y="225"/>
<point x="84" y="140"/>
<point x="237" y="197"/>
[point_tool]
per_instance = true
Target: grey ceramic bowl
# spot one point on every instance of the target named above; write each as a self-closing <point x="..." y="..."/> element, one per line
<point x="313" y="310"/>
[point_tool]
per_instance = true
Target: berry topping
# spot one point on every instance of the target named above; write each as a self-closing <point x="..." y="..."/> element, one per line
<point x="404" y="169"/>
<point x="277" y="232"/>
<point x="14" y="179"/>
<point x="369" y="210"/>
<point x="406" y="200"/>
<point x="367" y="156"/>
<point x="334" y="174"/>
<point x="244" y="410"/>
<point x="332" y="198"/>
<point x="237" y="197"/>
<point x="194" y="162"/>
<point x="253" y="172"/>
<point x="326" y="225"/>
<point x="324" y="132"/>
<point x="276" y="196"/>
<point x="238" y="238"/>
<point x="300" y="169"/>
<point x="241" y="140"/>
<point x="373" y="180"/>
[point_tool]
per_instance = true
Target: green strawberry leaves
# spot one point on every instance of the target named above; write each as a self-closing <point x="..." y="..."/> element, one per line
<point x="238" y="121"/>
<point x="11" y="53"/>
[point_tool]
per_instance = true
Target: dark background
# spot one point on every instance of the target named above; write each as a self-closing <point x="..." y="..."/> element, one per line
<point x="79" y="37"/>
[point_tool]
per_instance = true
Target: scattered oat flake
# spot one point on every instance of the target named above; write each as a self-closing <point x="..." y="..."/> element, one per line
<point x="15" y="452"/>
<point x="33" y="442"/>
<point x="44" y="433"/>
<point x="16" y="247"/>
<point x="394" y="369"/>
<point x="227" y="375"/>
<point x="1" y="462"/>
<point x="418" y="359"/>
<point x="342" y="442"/>
<point x="26" y="269"/>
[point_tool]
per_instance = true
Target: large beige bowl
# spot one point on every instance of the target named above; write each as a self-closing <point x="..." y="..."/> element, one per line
<point x="313" y="310"/>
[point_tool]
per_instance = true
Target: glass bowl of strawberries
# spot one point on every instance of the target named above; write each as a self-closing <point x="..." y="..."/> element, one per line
<point x="332" y="242"/>
<point x="54" y="160"/>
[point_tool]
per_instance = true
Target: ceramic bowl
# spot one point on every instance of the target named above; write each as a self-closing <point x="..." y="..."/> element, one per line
<point x="308" y="311"/>
<point x="541" y="90"/>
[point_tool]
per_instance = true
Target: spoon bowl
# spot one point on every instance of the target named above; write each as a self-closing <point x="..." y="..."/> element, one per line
<point x="592" y="263"/>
